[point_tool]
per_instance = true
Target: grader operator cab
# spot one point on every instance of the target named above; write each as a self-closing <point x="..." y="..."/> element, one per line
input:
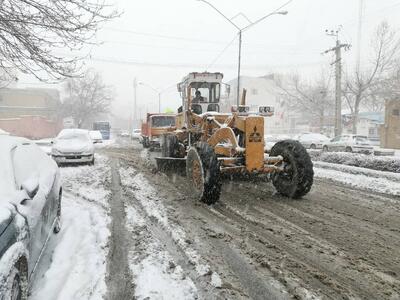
<point x="214" y="143"/>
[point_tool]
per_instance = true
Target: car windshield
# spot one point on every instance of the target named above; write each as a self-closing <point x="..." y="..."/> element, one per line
<point x="361" y="139"/>
<point x="95" y="135"/>
<point x="314" y="137"/>
<point x="73" y="135"/>
<point x="163" y="121"/>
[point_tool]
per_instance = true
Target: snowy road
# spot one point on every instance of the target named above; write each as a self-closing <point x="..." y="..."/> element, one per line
<point x="130" y="232"/>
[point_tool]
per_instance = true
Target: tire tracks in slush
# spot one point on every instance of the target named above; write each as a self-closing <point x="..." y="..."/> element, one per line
<point x="282" y="231"/>
<point x="255" y="285"/>
<point x="119" y="277"/>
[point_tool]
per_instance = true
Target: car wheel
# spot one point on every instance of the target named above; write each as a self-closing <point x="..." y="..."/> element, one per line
<point x="57" y="224"/>
<point x="16" y="287"/>
<point x="325" y="148"/>
<point x="313" y="147"/>
<point x="348" y="149"/>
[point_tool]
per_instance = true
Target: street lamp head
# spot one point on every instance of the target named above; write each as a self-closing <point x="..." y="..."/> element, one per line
<point x="283" y="12"/>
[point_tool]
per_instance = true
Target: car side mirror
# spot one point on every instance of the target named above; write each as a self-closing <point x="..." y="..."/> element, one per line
<point x="31" y="186"/>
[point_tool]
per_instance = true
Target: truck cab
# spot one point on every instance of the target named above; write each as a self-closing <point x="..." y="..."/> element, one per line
<point x="155" y="126"/>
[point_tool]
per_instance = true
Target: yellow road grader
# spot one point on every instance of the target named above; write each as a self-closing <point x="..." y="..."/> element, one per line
<point x="214" y="143"/>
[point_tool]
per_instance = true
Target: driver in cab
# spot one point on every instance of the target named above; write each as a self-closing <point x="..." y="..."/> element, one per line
<point x="198" y="97"/>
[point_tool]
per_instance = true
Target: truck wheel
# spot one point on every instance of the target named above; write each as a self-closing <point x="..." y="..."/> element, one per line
<point x="169" y="146"/>
<point x="203" y="173"/>
<point x="297" y="177"/>
<point x="146" y="143"/>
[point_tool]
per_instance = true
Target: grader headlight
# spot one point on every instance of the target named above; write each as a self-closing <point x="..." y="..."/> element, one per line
<point x="266" y="111"/>
<point x="243" y="110"/>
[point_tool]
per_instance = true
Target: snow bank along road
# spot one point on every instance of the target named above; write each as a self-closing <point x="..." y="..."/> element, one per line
<point x="144" y="237"/>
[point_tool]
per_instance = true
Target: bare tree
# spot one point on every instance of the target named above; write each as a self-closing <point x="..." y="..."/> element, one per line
<point x="363" y="85"/>
<point x="32" y="31"/>
<point x="87" y="97"/>
<point x="309" y="98"/>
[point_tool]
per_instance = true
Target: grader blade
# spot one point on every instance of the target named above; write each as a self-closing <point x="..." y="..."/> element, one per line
<point x="169" y="164"/>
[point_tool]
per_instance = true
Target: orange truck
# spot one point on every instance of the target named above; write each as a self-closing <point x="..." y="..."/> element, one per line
<point x="155" y="125"/>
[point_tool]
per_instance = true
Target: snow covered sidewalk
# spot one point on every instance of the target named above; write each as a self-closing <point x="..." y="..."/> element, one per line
<point x="74" y="263"/>
<point x="367" y="179"/>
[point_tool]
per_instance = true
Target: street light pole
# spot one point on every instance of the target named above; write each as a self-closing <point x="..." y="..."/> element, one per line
<point x="158" y="91"/>
<point x="239" y="65"/>
<point x="159" y="102"/>
<point x="275" y="12"/>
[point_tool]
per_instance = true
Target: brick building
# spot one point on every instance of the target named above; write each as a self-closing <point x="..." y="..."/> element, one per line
<point x="32" y="113"/>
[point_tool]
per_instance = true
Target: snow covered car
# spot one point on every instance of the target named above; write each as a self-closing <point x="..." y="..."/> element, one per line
<point x="349" y="143"/>
<point x="124" y="133"/>
<point x="2" y="132"/>
<point x="271" y="140"/>
<point x="312" y="140"/>
<point x="45" y="145"/>
<point x="136" y="134"/>
<point x="30" y="211"/>
<point x="73" y="146"/>
<point x="96" y="136"/>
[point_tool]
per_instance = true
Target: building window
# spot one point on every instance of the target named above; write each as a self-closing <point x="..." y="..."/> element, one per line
<point x="254" y="91"/>
<point x="372" y="131"/>
<point x="396" y="112"/>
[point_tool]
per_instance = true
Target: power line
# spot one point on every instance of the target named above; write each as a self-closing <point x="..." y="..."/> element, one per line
<point x="222" y="52"/>
<point x="191" y="66"/>
<point x="156" y="35"/>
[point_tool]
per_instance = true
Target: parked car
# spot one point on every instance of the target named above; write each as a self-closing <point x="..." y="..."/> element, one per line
<point x="96" y="136"/>
<point x="73" y="146"/>
<point x="124" y="133"/>
<point x="312" y="140"/>
<point x="3" y="132"/>
<point x="349" y="143"/>
<point x="271" y="140"/>
<point x="136" y="134"/>
<point x="45" y="145"/>
<point x="30" y="211"/>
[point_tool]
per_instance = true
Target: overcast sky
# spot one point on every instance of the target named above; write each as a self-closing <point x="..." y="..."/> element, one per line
<point x="159" y="41"/>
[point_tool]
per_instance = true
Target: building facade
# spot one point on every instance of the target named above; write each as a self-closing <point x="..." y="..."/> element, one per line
<point x="261" y="91"/>
<point x="31" y="113"/>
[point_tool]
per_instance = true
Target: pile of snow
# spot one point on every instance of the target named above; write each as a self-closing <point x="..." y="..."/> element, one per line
<point x="77" y="255"/>
<point x="89" y="182"/>
<point x="361" y="181"/>
<point x="3" y="132"/>
<point x="389" y="164"/>
<point x="74" y="262"/>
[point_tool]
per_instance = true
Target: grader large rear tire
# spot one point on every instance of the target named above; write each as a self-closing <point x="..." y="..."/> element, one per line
<point x="203" y="173"/>
<point x="298" y="175"/>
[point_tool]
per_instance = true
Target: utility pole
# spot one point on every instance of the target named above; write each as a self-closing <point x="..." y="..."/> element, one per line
<point x="338" y="75"/>
<point x="134" y="104"/>
<point x="239" y="62"/>
<point x="159" y="102"/>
